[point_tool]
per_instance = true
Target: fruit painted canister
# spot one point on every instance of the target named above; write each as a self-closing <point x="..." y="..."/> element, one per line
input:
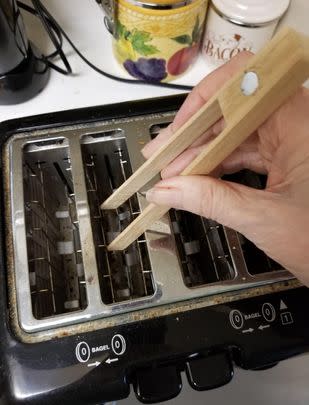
<point x="157" y="41"/>
<point x="233" y="26"/>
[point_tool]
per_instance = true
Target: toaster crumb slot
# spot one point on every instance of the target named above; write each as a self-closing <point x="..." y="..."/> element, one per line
<point x="55" y="261"/>
<point x="202" y="248"/>
<point x="124" y="275"/>
<point x="257" y="261"/>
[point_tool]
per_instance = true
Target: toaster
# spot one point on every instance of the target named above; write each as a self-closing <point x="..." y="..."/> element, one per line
<point x="79" y="324"/>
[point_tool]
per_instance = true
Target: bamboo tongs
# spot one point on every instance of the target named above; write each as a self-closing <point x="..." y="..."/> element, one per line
<point x="245" y="102"/>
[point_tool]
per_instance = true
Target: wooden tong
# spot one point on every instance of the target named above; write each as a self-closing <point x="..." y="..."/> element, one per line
<point x="245" y="102"/>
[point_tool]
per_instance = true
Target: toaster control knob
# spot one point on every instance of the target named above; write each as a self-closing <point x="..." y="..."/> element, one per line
<point x="236" y="319"/>
<point x="82" y="352"/>
<point x="209" y="372"/>
<point x="118" y="344"/>
<point x="268" y="312"/>
<point x="157" y="384"/>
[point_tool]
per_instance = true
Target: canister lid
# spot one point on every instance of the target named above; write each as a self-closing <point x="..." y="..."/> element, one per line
<point x="161" y="3"/>
<point x="252" y="11"/>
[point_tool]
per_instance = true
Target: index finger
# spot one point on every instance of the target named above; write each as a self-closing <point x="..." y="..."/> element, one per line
<point x="197" y="98"/>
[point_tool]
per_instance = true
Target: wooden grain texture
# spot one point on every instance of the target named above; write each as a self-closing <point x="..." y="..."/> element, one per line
<point x="282" y="66"/>
<point x="179" y="141"/>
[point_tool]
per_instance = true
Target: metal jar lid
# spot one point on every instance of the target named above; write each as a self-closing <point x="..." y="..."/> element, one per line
<point x="251" y="12"/>
<point x="160" y="4"/>
<point x="109" y="7"/>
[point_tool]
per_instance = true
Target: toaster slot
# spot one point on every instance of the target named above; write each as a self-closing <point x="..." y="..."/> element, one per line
<point x="55" y="262"/>
<point x="202" y="248"/>
<point x="155" y="129"/>
<point x="257" y="262"/>
<point x="124" y="275"/>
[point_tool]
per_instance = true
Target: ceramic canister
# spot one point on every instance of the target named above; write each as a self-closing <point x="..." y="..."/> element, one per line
<point x="236" y="25"/>
<point x="158" y="41"/>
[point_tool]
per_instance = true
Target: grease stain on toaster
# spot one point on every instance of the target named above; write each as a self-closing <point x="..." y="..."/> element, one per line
<point x="90" y="279"/>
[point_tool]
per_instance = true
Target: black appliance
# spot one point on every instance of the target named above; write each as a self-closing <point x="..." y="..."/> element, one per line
<point x="23" y="71"/>
<point x="80" y="325"/>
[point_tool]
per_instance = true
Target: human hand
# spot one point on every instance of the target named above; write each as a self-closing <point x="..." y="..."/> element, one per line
<point x="275" y="219"/>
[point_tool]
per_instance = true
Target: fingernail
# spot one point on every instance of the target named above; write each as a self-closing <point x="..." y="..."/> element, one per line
<point x="160" y="195"/>
<point x="150" y="194"/>
<point x="154" y="195"/>
<point x="145" y="149"/>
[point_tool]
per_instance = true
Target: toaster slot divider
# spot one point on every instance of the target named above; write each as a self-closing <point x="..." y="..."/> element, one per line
<point x="22" y="279"/>
<point x="83" y="213"/>
<point x="232" y="238"/>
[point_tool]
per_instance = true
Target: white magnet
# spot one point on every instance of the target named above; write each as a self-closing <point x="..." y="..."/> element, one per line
<point x="250" y="83"/>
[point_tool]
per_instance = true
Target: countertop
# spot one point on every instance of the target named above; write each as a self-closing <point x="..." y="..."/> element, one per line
<point x="288" y="382"/>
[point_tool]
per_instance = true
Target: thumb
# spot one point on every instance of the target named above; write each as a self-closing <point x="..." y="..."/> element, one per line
<point x="239" y="207"/>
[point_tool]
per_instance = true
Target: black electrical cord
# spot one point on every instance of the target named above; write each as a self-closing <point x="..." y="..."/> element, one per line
<point x="56" y="33"/>
<point x="57" y="44"/>
<point x="32" y="11"/>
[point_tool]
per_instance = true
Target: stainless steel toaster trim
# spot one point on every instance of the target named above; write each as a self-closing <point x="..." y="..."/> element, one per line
<point x="163" y="280"/>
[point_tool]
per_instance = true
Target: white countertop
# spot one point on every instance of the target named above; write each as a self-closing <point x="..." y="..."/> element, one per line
<point x="287" y="383"/>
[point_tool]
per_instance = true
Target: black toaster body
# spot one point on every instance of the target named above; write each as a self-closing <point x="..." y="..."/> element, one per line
<point x="82" y="326"/>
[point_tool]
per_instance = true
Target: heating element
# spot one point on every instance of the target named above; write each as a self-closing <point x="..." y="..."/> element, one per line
<point x="63" y="272"/>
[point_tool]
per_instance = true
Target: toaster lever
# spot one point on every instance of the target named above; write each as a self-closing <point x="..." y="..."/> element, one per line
<point x="157" y="384"/>
<point x="209" y="372"/>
